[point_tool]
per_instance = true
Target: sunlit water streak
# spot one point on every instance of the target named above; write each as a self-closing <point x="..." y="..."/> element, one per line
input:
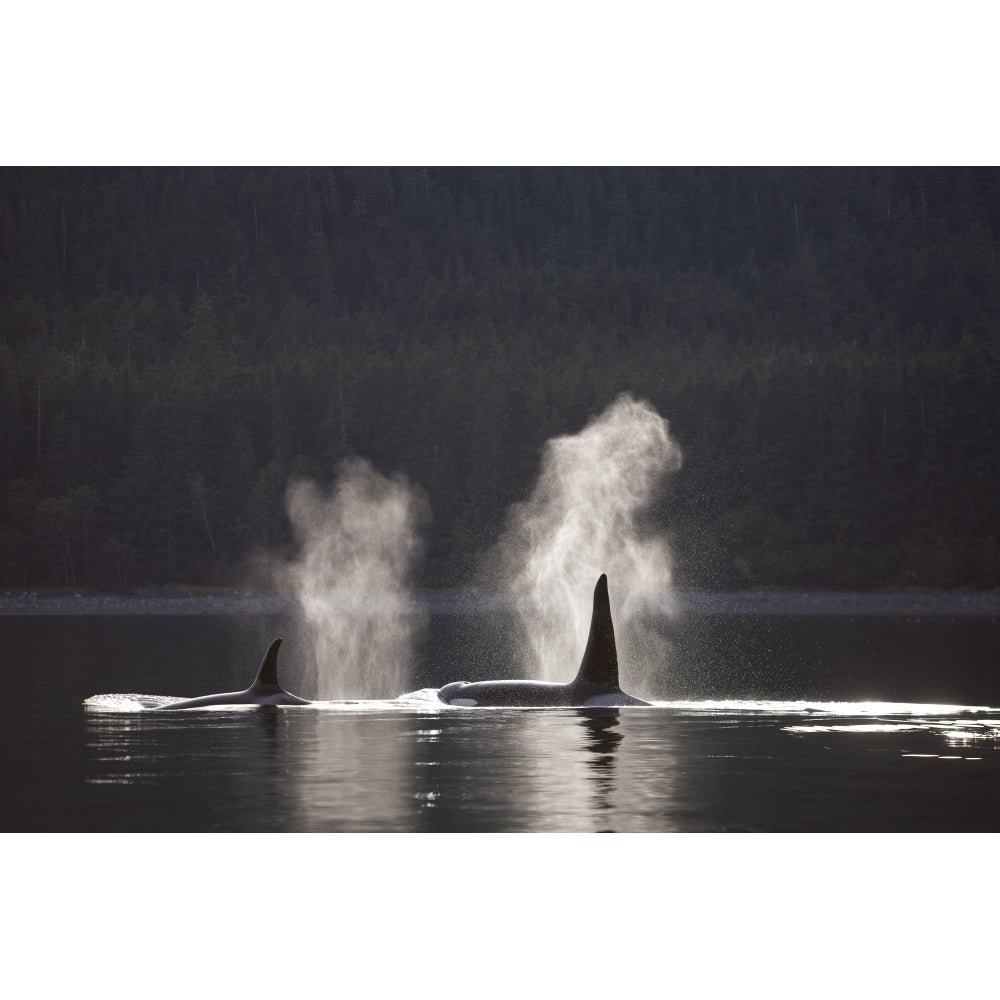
<point x="955" y="725"/>
<point x="427" y="698"/>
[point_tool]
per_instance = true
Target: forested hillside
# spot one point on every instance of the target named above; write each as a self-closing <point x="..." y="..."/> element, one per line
<point x="177" y="344"/>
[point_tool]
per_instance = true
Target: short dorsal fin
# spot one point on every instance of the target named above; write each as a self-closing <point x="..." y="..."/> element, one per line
<point x="267" y="675"/>
<point x="599" y="667"/>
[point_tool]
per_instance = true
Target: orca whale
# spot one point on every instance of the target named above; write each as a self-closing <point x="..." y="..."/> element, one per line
<point x="596" y="682"/>
<point x="265" y="689"/>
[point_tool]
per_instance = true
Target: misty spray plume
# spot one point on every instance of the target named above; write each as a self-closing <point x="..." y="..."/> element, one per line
<point x="582" y="520"/>
<point x="352" y="577"/>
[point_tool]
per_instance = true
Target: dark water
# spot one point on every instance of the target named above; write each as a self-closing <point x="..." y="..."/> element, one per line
<point x="761" y="724"/>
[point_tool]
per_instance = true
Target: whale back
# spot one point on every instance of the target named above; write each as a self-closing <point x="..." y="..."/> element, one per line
<point x="599" y="666"/>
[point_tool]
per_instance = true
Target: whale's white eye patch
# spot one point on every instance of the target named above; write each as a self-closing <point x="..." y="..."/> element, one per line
<point x="464" y="702"/>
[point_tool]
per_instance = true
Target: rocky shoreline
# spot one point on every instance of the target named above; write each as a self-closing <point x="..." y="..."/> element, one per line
<point x="816" y="603"/>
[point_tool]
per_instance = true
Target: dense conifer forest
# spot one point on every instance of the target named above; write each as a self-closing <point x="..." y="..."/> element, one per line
<point x="177" y="345"/>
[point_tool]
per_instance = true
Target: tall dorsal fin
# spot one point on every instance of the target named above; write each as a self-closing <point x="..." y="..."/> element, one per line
<point x="599" y="667"/>
<point x="267" y="675"/>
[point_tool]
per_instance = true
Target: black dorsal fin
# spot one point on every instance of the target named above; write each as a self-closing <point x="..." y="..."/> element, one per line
<point x="599" y="667"/>
<point x="267" y="675"/>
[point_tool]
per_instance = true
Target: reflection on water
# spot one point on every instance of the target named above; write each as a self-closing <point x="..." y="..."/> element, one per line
<point x="977" y="735"/>
<point x="961" y="730"/>
<point x="114" y="742"/>
<point x="413" y="764"/>
<point x="601" y="740"/>
<point x="417" y="765"/>
<point x="391" y="766"/>
<point x="350" y="772"/>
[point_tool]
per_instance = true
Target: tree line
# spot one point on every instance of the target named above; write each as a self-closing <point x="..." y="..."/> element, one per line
<point x="177" y="345"/>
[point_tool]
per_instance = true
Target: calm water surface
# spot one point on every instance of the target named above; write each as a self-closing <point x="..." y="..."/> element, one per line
<point x="761" y="724"/>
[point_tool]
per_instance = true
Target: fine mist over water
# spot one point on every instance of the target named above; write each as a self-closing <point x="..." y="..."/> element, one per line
<point x="583" y="519"/>
<point x="352" y="579"/>
<point x="358" y="546"/>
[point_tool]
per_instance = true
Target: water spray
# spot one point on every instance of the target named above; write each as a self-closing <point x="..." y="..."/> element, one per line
<point x="352" y="579"/>
<point x="581" y="520"/>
